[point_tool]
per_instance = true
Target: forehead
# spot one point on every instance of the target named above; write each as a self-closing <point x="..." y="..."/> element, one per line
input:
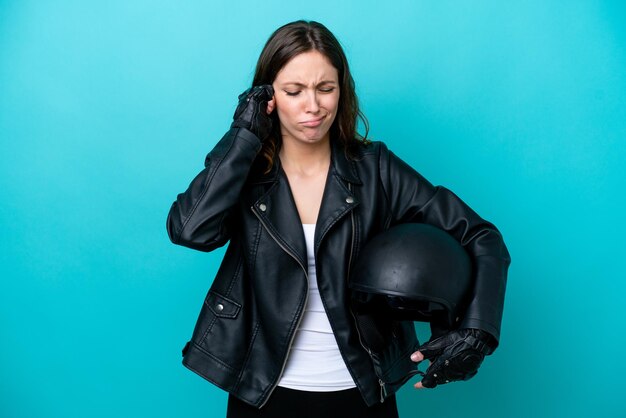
<point x="308" y="67"/>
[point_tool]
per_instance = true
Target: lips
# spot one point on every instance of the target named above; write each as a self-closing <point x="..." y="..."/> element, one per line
<point x="313" y="122"/>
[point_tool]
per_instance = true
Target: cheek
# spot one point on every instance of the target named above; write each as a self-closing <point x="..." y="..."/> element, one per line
<point x="286" y="109"/>
<point x="332" y="104"/>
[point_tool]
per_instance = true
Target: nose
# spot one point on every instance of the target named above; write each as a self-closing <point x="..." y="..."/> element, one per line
<point x="312" y="105"/>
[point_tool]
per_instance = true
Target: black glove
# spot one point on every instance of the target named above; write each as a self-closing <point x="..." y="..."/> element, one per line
<point x="456" y="355"/>
<point x="251" y="112"/>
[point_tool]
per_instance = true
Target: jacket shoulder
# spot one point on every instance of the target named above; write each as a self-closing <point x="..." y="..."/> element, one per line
<point x="370" y="149"/>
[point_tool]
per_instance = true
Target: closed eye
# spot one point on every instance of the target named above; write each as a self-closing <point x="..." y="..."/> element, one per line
<point x="295" y="93"/>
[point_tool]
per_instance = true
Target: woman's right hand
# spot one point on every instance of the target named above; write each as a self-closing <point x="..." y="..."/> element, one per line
<point x="252" y="111"/>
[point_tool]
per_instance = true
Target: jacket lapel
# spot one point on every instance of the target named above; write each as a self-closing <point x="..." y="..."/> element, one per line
<point x="338" y="198"/>
<point x="277" y="210"/>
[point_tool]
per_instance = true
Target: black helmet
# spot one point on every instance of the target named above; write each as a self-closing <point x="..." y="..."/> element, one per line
<point x="413" y="272"/>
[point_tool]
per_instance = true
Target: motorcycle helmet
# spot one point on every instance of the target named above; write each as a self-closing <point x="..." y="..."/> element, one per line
<point x="410" y="272"/>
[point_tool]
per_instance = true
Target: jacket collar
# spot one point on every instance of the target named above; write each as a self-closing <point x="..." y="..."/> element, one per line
<point x="343" y="166"/>
<point x="277" y="210"/>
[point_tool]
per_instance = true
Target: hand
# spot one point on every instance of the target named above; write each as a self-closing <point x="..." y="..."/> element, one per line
<point x="454" y="356"/>
<point x="255" y="104"/>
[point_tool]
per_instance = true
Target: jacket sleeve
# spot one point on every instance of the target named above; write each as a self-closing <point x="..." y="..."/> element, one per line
<point x="412" y="198"/>
<point x="199" y="217"/>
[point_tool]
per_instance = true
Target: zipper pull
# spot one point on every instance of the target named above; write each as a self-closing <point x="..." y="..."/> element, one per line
<point x="383" y="391"/>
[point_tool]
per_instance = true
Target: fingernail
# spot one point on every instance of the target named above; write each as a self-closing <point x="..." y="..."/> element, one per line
<point x="414" y="357"/>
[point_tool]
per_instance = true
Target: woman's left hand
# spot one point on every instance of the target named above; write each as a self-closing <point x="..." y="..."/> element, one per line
<point x="455" y="356"/>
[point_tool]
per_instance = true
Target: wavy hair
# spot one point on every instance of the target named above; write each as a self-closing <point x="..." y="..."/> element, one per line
<point x="296" y="38"/>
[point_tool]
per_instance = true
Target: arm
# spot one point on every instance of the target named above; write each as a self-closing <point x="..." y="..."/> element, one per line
<point x="412" y="198"/>
<point x="199" y="217"/>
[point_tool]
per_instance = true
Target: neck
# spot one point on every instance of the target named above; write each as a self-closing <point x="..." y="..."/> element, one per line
<point x="306" y="159"/>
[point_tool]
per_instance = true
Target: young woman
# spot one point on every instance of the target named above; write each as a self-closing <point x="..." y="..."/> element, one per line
<point x="298" y="192"/>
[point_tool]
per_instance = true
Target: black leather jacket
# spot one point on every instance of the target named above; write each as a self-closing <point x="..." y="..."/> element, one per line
<point x="254" y="306"/>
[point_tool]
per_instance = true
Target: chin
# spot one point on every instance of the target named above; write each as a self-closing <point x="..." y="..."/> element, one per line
<point x="318" y="135"/>
<point x="314" y="138"/>
<point x="310" y="137"/>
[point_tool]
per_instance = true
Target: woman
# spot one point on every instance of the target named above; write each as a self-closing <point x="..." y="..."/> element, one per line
<point x="298" y="192"/>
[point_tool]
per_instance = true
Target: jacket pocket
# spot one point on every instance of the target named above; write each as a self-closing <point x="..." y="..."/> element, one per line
<point x="224" y="329"/>
<point x="225" y="325"/>
<point x="221" y="306"/>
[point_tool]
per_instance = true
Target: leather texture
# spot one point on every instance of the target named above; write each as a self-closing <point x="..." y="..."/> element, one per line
<point x="247" y="322"/>
<point x="416" y="272"/>
<point x="454" y="356"/>
<point x="251" y="111"/>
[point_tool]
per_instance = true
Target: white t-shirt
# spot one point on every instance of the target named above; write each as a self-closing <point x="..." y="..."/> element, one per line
<point x="314" y="362"/>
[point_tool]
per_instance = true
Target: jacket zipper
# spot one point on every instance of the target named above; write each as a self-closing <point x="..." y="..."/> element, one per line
<point x="306" y="298"/>
<point x="352" y="239"/>
<point x="383" y="390"/>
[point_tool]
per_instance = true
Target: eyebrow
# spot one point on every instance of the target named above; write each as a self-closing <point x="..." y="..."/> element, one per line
<point x="295" y="83"/>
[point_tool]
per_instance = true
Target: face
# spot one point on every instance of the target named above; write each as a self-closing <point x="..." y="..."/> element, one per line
<point x="306" y="97"/>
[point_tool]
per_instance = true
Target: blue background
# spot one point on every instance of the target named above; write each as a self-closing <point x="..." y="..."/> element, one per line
<point x="107" y="110"/>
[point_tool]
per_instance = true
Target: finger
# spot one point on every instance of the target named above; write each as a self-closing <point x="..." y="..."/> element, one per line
<point x="434" y="374"/>
<point x="434" y="347"/>
<point x="244" y="94"/>
<point x="428" y="383"/>
<point x="270" y="106"/>
<point x="258" y="93"/>
<point x="417" y="357"/>
<point x="263" y="92"/>
<point x="429" y="379"/>
<point x="418" y="385"/>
